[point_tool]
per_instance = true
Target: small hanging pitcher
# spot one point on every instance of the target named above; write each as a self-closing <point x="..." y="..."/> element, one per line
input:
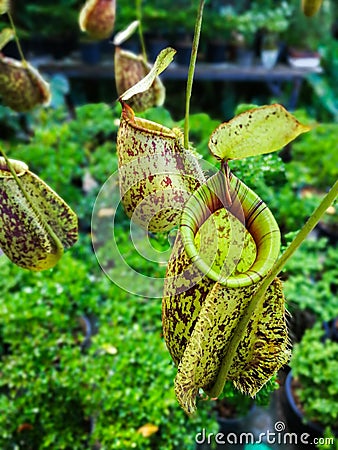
<point x="35" y="223"/>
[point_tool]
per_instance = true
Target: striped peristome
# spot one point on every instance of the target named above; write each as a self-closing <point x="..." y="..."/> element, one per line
<point x="249" y="209"/>
<point x="221" y="255"/>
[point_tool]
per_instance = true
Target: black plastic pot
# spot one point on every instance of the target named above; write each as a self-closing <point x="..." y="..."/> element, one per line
<point x="331" y="330"/>
<point x="329" y="231"/>
<point x="296" y="420"/>
<point x="236" y="426"/>
<point x="227" y="426"/>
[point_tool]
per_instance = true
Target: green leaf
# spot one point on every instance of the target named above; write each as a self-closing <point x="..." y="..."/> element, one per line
<point x="255" y="132"/>
<point x="162" y="62"/>
<point x="6" y="35"/>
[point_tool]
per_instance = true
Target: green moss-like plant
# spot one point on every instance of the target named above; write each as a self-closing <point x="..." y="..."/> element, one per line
<point x="315" y="366"/>
<point x="311" y="280"/>
<point x="58" y="392"/>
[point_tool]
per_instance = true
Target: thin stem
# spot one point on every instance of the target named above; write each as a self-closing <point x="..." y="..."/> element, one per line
<point x="140" y="29"/>
<point x="17" y="41"/>
<point x="305" y="230"/>
<point x="226" y="170"/>
<point x="258" y="298"/>
<point x="48" y="228"/>
<point x="191" y="72"/>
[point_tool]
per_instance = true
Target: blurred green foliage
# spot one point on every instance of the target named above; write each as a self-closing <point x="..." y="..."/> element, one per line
<point x="57" y="392"/>
<point x="47" y="19"/>
<point x="314" y="31"/>
<point x="65" y="152"/>
<point x="311" y="279"/>
<point x="314" y="157"/>
<point x="58" y="389"/>
<point x="124" y="378"/>
<point x="315" y="365"/>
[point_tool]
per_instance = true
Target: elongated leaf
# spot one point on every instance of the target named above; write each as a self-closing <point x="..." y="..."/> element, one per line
<point x="161" y="63"/>
<point x="125" y="34"/>
<point x="6" y="35"/>
<point x="255" y="132"/>
<point x="148" y="429"/>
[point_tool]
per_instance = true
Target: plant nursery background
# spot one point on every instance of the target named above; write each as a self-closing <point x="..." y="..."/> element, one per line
<point x="83" y="363"/>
